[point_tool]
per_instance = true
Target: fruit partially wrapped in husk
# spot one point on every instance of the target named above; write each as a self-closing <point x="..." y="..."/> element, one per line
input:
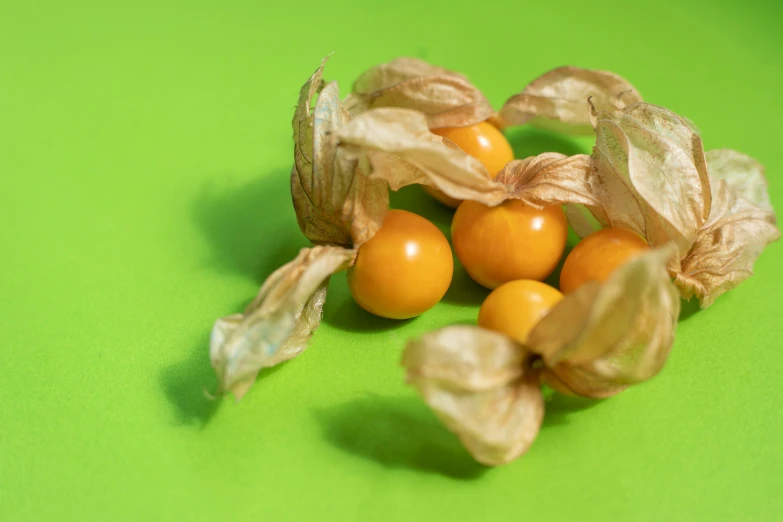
<point x="344" y="166"/>
<point x="597" y="341"/>
<point x="650" y="174"/>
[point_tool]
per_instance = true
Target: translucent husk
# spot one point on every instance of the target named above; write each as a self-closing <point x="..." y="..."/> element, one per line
<point x="279" y="322"/>
<point x="556" y="99"/>
<point x="445" y="98"/>
<point x="486" y="387"/>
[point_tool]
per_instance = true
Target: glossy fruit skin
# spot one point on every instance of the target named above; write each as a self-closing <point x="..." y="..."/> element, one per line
<point x="514" y="308"/>
<point x="508" y="242"/>
<point x="404" y="270"/>
<point x="484" y="142"/>
<point x="598" y="255"/>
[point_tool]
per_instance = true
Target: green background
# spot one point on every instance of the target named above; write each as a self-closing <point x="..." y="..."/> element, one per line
<point x="144" y="159"/>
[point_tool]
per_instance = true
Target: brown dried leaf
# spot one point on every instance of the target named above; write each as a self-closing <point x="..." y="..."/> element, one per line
<point x="398" y="147"/>
<point x="549" y="179"/>
<point x="650" y="174"/>
<point x="447" y="99"/>
<point x="334" y="202"/>
<point x="279" y="322"/>
<point x="740" y="226"/>
<point x="558" y="99"/>
<point x="482" y="387"/>
<point x="604" y="337"/>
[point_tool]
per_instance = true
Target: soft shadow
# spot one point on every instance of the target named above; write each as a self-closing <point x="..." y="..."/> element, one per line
<point x="342" y="312"/>
<point x="689" y="309"/>
<point x="397" y="432"/>
<point x="463" y="290"/>
<point x="528" y="141"/>
<point x="559" y="407"/>
<point x="251" y="230"/>
<point x="413" y="199"/>
<point x="250" y="227"/>
<point x="187" y="384"/>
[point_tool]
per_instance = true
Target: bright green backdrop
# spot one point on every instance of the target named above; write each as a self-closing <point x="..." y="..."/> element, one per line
<point x="144" y="156"/>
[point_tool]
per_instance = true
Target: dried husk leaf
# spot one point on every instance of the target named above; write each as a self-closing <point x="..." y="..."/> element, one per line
<point x="334" y="202"/>
<point x="740" y="226"/>
<point x="606" y="336"/>
<point x="279" y="322"/>
<point x="549" y="179"/>
<point x="650" y="174"/>
<point x="482" y="386"/>
<point x="396" y="146"/>
<point x="446" y="98"/>
<point x="558" y="99"/>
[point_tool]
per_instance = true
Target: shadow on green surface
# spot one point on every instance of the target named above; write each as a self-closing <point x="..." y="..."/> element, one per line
<point x="397" y="432"/>
<point x="463" y="290"/>
<point x="528" y="141"/>
<point x="689" y="308"/>
<point x="559" y="407"/>
<point x="187" y="384"/>
<point x="251" y="228"/>
<point x="346" y="315"/>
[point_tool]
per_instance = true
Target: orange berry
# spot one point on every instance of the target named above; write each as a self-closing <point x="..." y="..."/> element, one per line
<point x="484" y="142"/>
<point x="508" y="242"/>
<point x="404" y="270"/>
<point x="598" y="255"/>
<point x="514" y="308"/>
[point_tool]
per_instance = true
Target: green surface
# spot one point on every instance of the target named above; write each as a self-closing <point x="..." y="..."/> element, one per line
<point x="144" y="156"/>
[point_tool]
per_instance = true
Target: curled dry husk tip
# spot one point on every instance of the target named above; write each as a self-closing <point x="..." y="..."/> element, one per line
<point x="597" y="341"/>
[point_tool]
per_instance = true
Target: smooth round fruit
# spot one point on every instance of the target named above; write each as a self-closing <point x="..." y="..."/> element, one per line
<point x="404" y="270"/>
<point x="514" y="308"/>
<point x="598" y="255"/>
<point x="508" y="242"/>
<point x="484" y="142"/>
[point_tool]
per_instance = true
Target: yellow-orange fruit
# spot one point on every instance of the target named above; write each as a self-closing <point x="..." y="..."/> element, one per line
<point x="514" y="308"/>
<point x="598" y="255"/>
<point x="508" y="242"/>
<point x="404" y="270"/>
<point x="484" y="142"/>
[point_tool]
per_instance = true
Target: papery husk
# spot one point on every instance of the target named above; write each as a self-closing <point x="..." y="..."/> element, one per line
<point x="482" y="386"/>
<point x="279" y="322"/>
<point x="650" y="174"/>
<point x="741" y="224"/>
<point x="446" y="98"/>
<point x="550" y="178"/>
<point x="606" y="336"/>
<point x="557" y="100"/>
<point x="334" y="202"/>
<point x="395" y="145"/>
